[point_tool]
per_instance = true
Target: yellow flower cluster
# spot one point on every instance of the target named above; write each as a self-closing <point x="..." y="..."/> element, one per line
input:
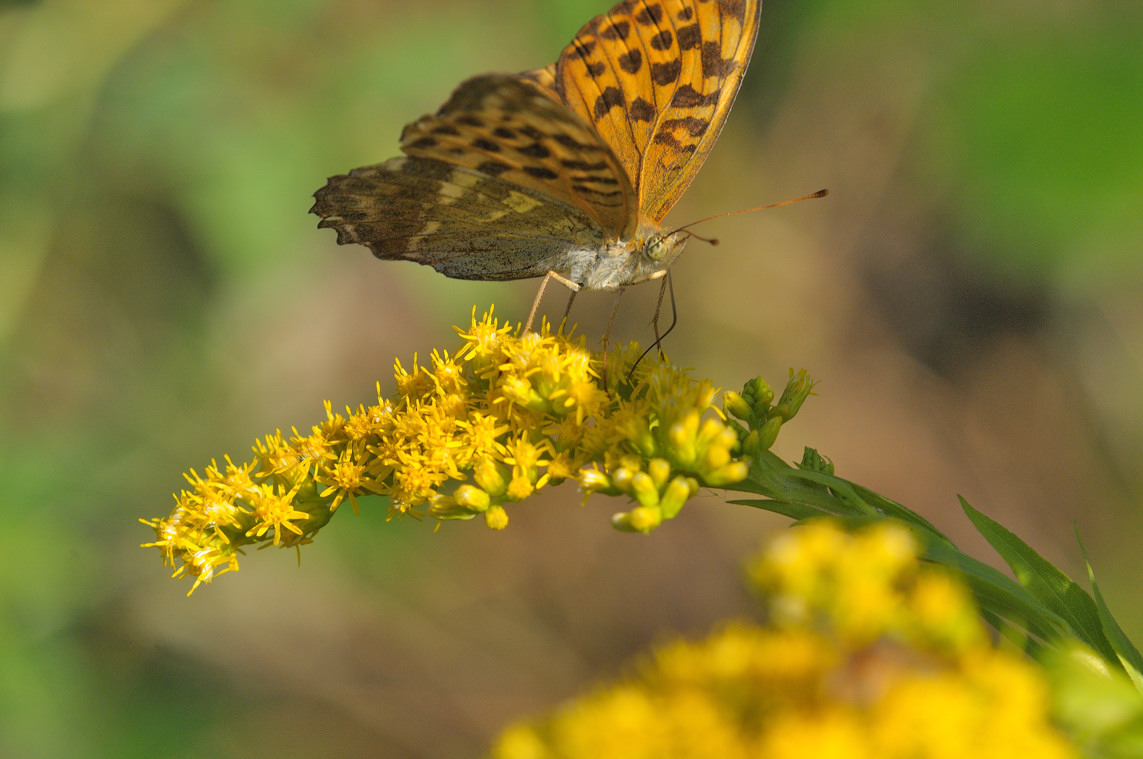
<point x="509" y="413"/>
<point x="865" y="587"/>
<point x="870" y="655"/>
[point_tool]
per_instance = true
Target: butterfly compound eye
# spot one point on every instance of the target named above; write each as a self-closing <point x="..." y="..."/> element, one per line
<point x="657" y="248"/>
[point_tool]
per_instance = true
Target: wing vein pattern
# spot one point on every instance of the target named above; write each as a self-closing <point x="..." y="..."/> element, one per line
<point x="656" y="78"/>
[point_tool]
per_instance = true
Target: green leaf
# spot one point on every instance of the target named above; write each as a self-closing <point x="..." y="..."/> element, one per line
<point x="1001" y="596"/>
<point x="1043" y="580"/>
<point x="1125" y="650"/>
<point x="802" y="487"/>
<point x="1095" y="704"/>
<point x="829" y="494"/>
<point x="796" y="511"/>
<point x="897" y="511"/>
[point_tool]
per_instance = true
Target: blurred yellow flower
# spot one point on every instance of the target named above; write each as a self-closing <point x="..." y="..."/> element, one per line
<point x="894" y="681"/>
<point x="867" y="585"/>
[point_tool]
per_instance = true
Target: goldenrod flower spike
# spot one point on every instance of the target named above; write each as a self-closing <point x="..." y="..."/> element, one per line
<point x="470" y="432"/>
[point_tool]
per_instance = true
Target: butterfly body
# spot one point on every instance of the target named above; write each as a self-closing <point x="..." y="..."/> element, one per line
<point x="628" y="262"/>
<point x="568" y="169"/>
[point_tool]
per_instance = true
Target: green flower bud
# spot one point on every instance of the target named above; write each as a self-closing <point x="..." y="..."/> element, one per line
<point x="446" y="507"/>
<point x="815" y="462"/>
<point x="496" y="518"/>
<point x="758" y="395"/>
<point x="491" y="477"/>
<point x="593" y="480"/>
<point x="660" y="470"/>
<point x="472" y="498"/>
<point x="644" y="490"/>
<point x="736" y="405"/>
<point x="798" y="388"/>
<point x="622" y="477"/>
<point x="677" y="493"/>
<point x="640" y="519"/>
<point x="735" y="471"/>
<point x="768" y="433"/>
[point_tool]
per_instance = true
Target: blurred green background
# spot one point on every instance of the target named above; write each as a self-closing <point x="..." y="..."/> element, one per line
<point x="969" y="296"/>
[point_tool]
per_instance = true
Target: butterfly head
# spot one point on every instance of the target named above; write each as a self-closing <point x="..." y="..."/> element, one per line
<point x="663" y="248"/>
<point x="658" y="250"/>
<point x="647" y="256"/>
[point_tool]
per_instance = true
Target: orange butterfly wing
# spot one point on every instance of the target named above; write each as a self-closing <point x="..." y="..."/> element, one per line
<point x="657" y="78"/>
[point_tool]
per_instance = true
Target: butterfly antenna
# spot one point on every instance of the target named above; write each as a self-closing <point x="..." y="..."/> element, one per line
<point x="711" y="240"/>
<point x="714" y="241"/>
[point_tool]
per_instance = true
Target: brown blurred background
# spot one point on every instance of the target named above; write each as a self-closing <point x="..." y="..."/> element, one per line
<point x="969" y="297"/>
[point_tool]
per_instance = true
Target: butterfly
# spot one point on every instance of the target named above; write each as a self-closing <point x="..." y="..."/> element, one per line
<point x="564" y="172"/>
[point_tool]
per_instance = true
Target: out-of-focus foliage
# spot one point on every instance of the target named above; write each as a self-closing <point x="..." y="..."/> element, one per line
<point x="969" y="295"/>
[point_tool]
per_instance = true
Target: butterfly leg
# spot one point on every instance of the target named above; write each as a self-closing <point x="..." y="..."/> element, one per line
<point x="567" y="310"/>
<point x="540" y="294"/>
<point x="607" y="334"/>
<point x="611" y="319"/>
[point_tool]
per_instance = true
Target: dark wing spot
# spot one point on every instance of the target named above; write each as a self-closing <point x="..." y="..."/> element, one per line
<point x="713" y="64"/>
<point x="631" y="61"/>
<point x="483" y="144"/>
<point x="610" y="98"/>
<point x="616" y="31"/>
<point x="662" y="40"/>
<point x="690" y="37"/>
<point x="641" y="110"/>
<point x="595" y="68"/>
<point x="688" y="97"/>
<point x="423" y="142"/>
<point x="650" y="15"/>
<point x="535" y="150"/>
<point x="696" y="127"/>
<point x="446" y="129"/>
<point x="732" y="9"/>
<point x="569" y="142"/>
<point x="540" y="172"/>
<point x="669" y="139"/>
<point x="469" y="120"/>
<point x="531" y="132"/>
<point x="504" y="133"/>
<point x="663" y="74"/>
<point x="587" y="178"/>
<point x="583" y="165"/>
<point x="685" y="14"/>
<point x="593" y="191"/>
<point x="493" y="168"/>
